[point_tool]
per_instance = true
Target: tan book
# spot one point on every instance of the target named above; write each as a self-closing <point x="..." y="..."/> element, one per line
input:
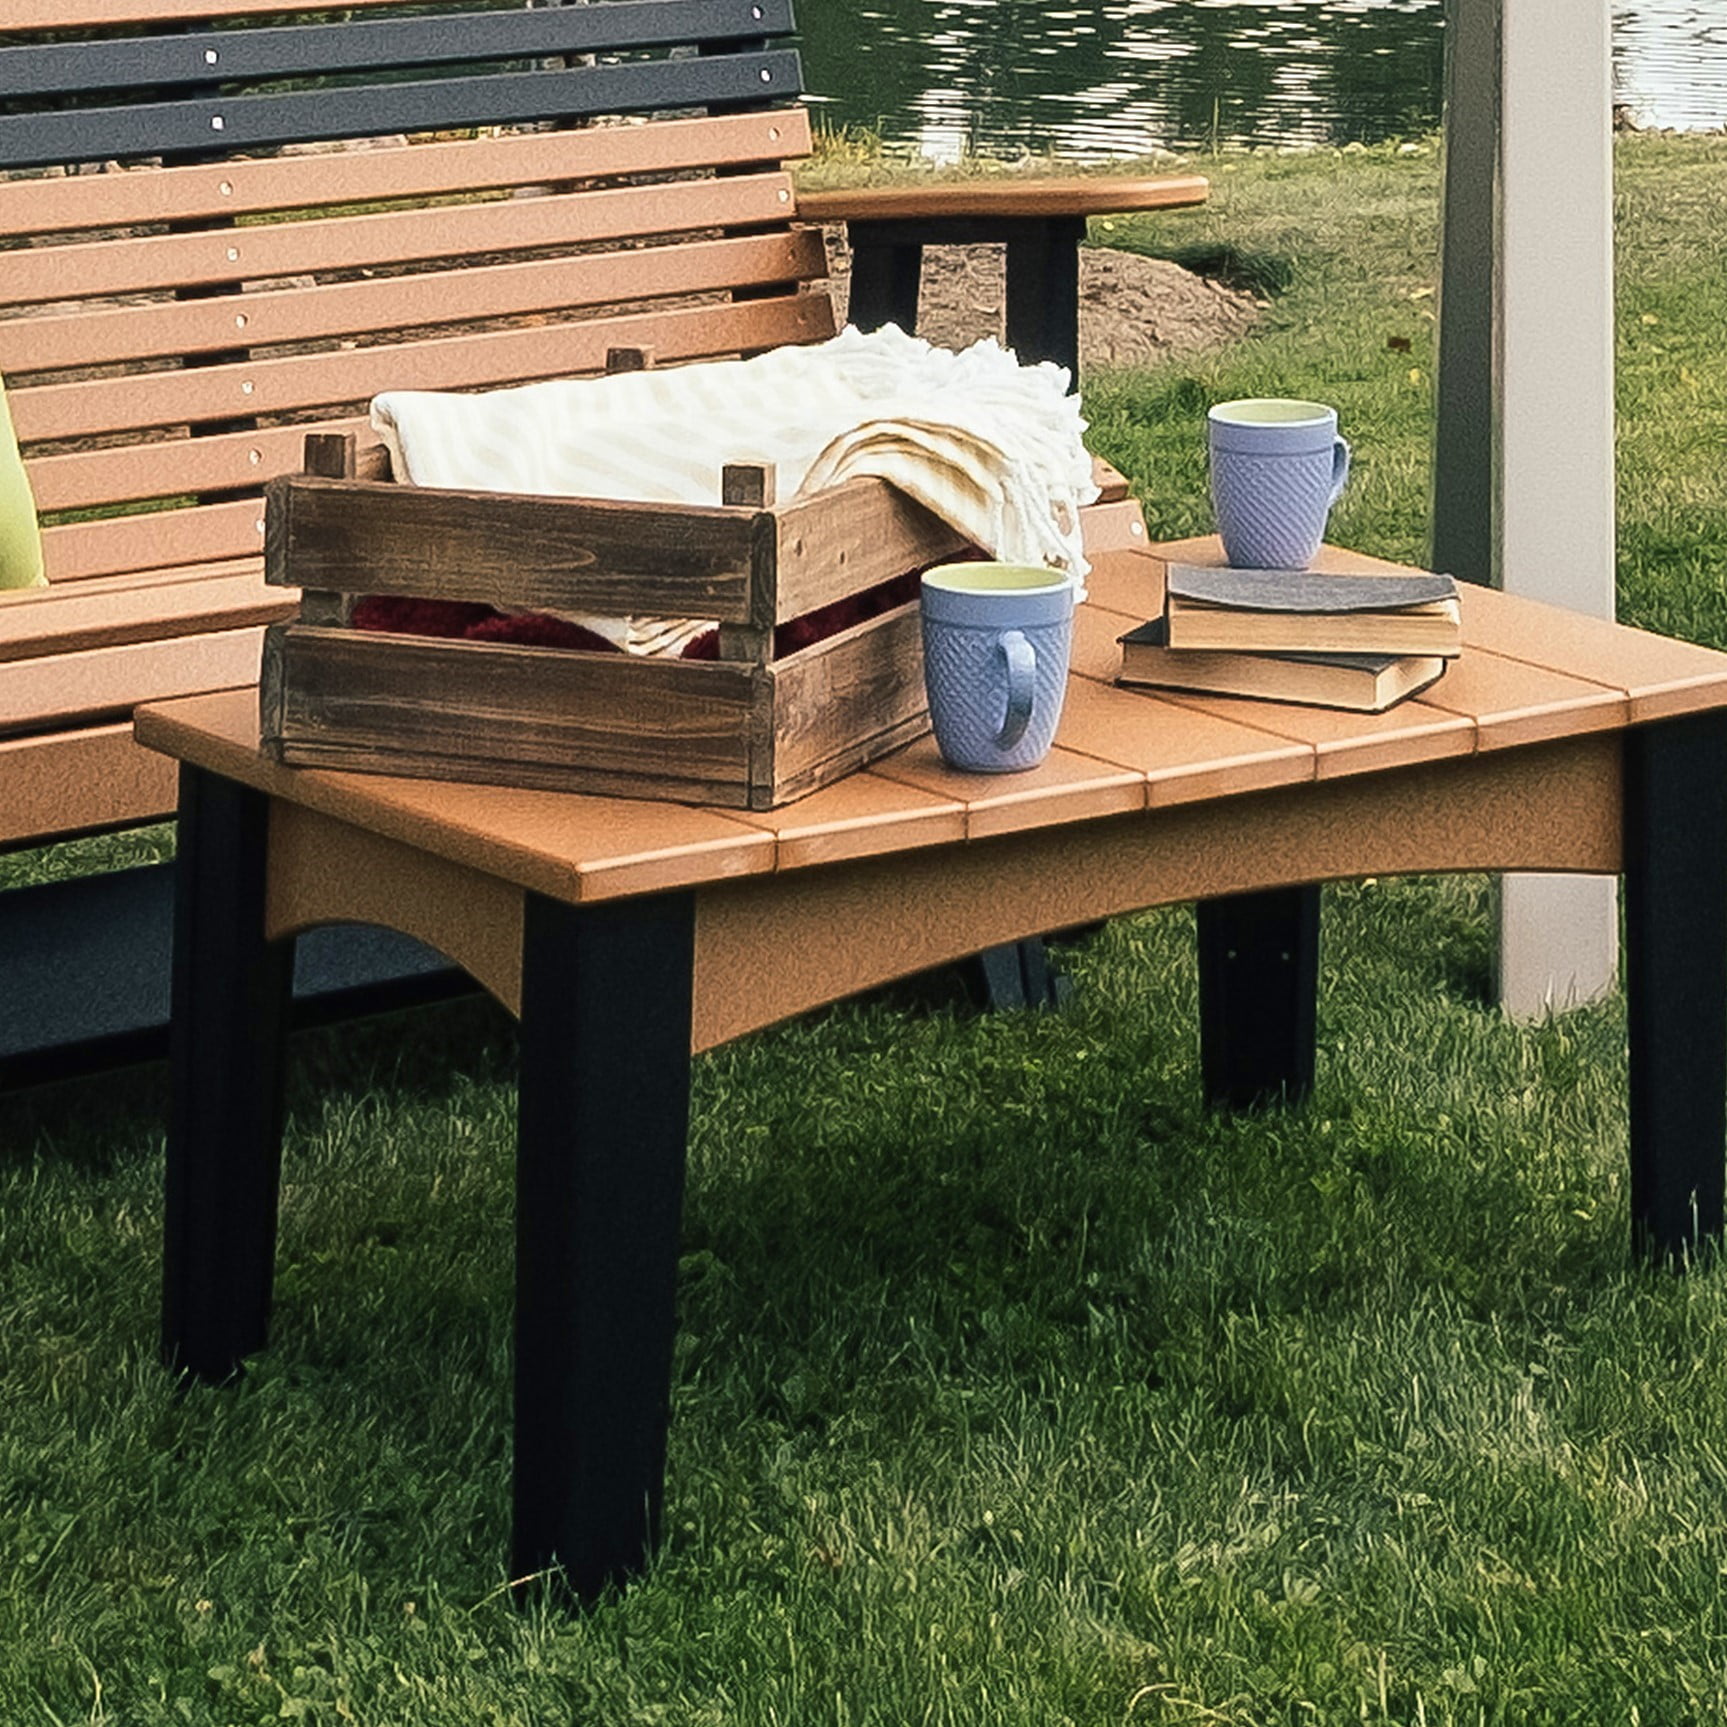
<point x="1362" y="683"/>
<point x="1302" y="611"/>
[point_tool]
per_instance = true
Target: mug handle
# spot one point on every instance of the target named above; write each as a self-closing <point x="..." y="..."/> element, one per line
<point x="1339" y="469"/>
<point x="1021" y="687"/>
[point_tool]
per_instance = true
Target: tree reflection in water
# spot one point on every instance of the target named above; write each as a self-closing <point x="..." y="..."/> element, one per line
<point x="1091" y="78"/>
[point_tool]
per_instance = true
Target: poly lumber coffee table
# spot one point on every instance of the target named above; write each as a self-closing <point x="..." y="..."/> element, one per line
<point x="626" y="934"/>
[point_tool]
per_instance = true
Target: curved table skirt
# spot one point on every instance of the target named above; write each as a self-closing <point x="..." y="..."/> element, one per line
<point x="771" y="946"/>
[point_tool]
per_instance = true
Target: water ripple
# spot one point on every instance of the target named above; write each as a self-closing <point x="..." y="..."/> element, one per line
<point x="1098" y="78"/>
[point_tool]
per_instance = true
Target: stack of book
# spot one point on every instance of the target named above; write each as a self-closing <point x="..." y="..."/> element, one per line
<point x="1360" y="642"/>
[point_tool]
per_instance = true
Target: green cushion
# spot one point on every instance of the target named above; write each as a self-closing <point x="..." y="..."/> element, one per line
<point x="20" y="543"/>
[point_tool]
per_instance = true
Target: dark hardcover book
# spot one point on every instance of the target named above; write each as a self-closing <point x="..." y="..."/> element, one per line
<point x="1362" y="683"/>
<point x="1303" y="611"/>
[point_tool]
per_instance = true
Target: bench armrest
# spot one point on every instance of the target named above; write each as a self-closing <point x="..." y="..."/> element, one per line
<point x="1042" y="223"/>
<point x="1004" y="200"/>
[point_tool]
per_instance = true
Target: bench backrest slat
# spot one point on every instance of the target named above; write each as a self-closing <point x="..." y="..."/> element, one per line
<point x="251" y="122"/>
<point x="198" y="58"/>
<point x="227" y="191"/>
<point x="312" y="381"/>
<point x="427" y="298"/>
<point x="23" y="16"/>
<point x="258" y="254"/>
<point x="130" y="473"/>
<point x="304" y="382"/>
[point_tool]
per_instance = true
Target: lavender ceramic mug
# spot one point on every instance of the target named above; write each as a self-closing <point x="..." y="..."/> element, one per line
<point x="996" y="640"/>
<point x="1277" y="467"/>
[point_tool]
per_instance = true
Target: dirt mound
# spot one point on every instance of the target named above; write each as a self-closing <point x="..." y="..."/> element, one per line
<point x="1132" y="310"/>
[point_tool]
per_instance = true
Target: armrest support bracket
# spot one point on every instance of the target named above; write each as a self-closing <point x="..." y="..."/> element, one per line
<point x="1042" y="276"/>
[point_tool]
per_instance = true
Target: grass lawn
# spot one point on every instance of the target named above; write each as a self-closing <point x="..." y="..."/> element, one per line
<point x="1011" y="1388"/>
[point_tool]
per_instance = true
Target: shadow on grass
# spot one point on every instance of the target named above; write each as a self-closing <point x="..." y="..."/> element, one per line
<point x="1262" y="274"/>
<point x="97" y="1121"/>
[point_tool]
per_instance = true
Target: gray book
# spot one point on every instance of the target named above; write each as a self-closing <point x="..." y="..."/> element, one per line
<point x="1307" y="590"/>
<point x="1304" y="611"/>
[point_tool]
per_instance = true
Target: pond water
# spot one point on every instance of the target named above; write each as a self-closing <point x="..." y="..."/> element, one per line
<point x="1092" y="78"/>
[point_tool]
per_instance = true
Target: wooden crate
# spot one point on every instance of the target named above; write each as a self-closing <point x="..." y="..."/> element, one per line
<point x="745" y="731"/>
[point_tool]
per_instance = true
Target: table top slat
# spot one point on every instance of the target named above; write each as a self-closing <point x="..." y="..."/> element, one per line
<point x="1512" y="702"/>
<point x="565" y="844"/>
<point x="1659" y="676"/>
<point x="1064" y="787"/>
<point x="862" y="815"/>
<point x="1184" y="754"/>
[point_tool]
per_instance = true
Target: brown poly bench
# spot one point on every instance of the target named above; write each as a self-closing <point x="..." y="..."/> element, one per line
<point x="194" y="275"/>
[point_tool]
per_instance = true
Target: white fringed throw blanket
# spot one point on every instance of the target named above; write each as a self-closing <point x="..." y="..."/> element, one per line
<point x="989" y="445"/>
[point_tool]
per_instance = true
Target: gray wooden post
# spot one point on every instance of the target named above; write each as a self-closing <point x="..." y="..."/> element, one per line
<point x="1523" y="473"/>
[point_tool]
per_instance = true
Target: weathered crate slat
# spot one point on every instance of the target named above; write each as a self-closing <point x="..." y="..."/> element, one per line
<point x="733" y="564"/>
<point x="490" y="711"/>
<point x="543" y="554"/>
<point x="734" y="734"/>
<point x="845" y="701"/>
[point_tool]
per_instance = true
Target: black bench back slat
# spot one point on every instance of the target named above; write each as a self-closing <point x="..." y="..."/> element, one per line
<point x="311" y="51"/>
<point x="198" y="91"/>
<point x="197" y="126"/>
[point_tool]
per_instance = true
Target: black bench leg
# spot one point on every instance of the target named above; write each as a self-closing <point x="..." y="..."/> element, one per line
<point x="885" y="279"/>
<point x="1676" y="978"/>
<point x="601" y="1132"/>
<point x="230" y="1004"/>
<point x="1016" y="974"/>
<point x="1043" y="292"/>
<point x="1258" y="994"/>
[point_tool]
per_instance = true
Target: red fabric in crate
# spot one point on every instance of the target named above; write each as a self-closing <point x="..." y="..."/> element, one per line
<point x="463" y="620"/>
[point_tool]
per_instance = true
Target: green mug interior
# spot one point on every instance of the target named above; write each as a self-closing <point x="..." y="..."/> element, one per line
<point x="1271" y="411"/>
<point x="993" y="578"/>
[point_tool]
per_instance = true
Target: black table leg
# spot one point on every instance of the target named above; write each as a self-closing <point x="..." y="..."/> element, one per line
<point x="602" y="1128"/>
<point x="1258" y="994"/>
<point x="1676" y="978"/>
<point x="230" y="1004"/>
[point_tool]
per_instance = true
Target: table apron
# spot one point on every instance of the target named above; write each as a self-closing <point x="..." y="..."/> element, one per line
<point x="322" y="870"/>
<point x="771" y="946"/>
